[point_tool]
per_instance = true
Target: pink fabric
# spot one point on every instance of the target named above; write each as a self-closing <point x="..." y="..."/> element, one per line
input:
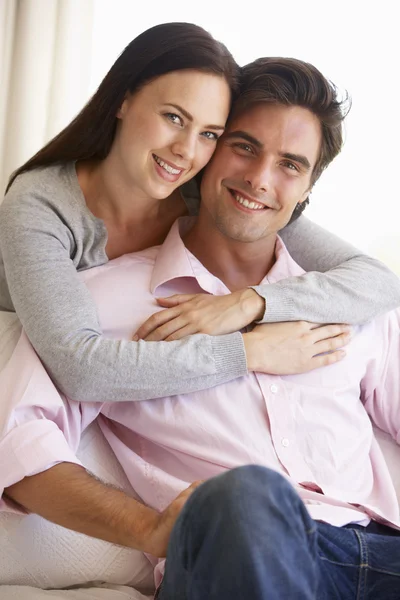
<point x="314" y="428"/>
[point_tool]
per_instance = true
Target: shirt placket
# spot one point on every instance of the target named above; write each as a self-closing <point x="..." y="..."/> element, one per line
<point x="280" y="407"/>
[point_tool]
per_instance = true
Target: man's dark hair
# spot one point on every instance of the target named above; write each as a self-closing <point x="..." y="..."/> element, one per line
<point x="292" y="82"/>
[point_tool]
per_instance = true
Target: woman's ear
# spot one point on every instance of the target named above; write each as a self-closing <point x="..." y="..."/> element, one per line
<point x="122" y="110"/>
<point x="124" y="107"/>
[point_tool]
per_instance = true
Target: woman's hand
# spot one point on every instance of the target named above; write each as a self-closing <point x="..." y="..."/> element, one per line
<point x="294" y="347"/>
<point x="186" y="314"/>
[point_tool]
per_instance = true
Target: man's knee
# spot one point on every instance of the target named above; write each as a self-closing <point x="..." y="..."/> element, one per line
<point x="239" y="490"/>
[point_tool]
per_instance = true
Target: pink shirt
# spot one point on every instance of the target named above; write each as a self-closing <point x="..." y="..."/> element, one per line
<point x="314" y="428"/>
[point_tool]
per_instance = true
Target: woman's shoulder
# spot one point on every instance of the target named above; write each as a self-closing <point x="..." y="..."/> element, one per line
<point x="51" y="187"/>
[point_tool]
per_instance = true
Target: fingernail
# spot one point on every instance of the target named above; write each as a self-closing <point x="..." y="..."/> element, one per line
<point x="135" y="338"/>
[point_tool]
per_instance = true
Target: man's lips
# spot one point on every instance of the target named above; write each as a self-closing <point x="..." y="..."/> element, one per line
<point x="248" y="201"/>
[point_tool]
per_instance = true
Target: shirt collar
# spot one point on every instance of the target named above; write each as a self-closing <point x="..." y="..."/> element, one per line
<point x="175" y="261"/>
<point x="172" y="260"/>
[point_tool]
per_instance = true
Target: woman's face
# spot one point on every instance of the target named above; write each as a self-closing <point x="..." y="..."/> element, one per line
<point x="168" y="130"/>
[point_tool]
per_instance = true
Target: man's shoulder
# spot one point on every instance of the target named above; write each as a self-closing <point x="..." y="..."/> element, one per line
<point x="376" y="337"/>
<point x="388" y="324"/>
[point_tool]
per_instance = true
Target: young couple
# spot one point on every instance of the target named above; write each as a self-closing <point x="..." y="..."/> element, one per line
<point x="271" y="413"/>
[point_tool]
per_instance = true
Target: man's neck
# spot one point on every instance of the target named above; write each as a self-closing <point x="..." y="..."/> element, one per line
<point x="237" y="264"/>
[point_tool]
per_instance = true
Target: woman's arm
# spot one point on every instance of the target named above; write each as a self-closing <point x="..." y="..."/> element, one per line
<point x="60" y="318"/>
<point x="350" y="286"/>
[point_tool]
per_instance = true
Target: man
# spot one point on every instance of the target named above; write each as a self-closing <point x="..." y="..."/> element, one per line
<point x="298" y="502"/>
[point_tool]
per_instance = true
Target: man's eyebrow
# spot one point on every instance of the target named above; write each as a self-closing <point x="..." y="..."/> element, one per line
<point x="299" y="158"/>
<point x="244" y="136"/>
<point x="190" y="118"/>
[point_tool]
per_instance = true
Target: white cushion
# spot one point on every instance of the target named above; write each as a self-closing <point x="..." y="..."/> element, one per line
<point x="101" y="592"/>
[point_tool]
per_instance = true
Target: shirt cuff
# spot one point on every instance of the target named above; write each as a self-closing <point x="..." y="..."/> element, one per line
<point x="229" y="355"/>
<point x="30" y="449"/>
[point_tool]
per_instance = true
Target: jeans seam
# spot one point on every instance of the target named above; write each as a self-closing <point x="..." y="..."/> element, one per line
<point x="363" y="564"/>
<point x="339" y="564"/>
<point x="383" y="571"/>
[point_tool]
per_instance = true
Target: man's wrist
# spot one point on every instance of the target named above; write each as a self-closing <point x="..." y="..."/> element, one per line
<point x="144" y="523"/>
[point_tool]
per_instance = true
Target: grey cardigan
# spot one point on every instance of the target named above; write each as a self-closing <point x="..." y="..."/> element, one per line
<point x="47" y="234"/>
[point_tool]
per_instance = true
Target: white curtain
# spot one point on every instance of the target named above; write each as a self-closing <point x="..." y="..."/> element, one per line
<point x="45" y="66"/>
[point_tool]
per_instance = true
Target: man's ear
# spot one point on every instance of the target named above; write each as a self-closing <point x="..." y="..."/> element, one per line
<point x="306" y="195"/>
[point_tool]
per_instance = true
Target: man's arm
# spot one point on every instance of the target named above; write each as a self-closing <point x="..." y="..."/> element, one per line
<point x="68" y="495"/>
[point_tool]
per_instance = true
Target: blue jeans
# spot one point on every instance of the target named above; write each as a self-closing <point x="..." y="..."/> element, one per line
<point x="246" y="535"/>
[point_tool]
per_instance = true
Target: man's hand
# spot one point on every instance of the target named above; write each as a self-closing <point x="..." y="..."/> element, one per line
<point x="294" y="347"/>
<point x="161" y="527"/>
<point x="187" y="314"/>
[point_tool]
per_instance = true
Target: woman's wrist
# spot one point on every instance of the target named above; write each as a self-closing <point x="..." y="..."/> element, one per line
<point x="251" y="349"/>
<point x="252" y="304"/>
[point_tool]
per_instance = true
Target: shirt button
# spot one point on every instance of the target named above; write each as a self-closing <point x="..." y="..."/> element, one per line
<point x="274" y="388"/>
<point x="285" y="442"/>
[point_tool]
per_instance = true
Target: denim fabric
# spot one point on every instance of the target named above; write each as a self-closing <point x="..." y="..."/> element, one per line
<point x="247" y="535"/>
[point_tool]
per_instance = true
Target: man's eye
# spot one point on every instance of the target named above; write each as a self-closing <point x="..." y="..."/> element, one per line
<point x="291" y="166"/>
<point x="210" y="135"/>
<point x="174" y="118"/>
<point x="244" y="147"/>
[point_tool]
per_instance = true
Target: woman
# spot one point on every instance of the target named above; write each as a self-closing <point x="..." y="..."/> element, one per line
<point x="108" y="185"/>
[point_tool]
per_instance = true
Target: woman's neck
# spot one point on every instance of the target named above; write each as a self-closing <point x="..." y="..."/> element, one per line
<point x="109" y="197"/>
<point x="133" y="222"/>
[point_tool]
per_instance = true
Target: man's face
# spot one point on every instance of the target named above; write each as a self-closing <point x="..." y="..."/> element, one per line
<point x="261" y="169"/>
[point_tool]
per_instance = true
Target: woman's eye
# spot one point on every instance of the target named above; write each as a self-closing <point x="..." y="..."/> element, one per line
<point x="174" y="118"/>
<point x="210" y="135"/>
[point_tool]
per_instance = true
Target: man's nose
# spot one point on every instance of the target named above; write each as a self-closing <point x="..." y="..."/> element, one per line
<point x="185" y="146"/>
<point x="259" y="176"/>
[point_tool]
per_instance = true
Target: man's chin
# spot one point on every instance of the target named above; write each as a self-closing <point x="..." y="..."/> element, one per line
<point x="241" y="235"/>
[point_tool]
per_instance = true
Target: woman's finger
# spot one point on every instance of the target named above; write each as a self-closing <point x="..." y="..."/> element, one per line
<point x="155" y="321"/>
<point x="328" y="331"/>
<point x="169" y="328"/>
<point x="179" y="334"/>
<point x="175" y="300"/>
<point x="328" y="359"/>
<point x="331" y="344"/>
